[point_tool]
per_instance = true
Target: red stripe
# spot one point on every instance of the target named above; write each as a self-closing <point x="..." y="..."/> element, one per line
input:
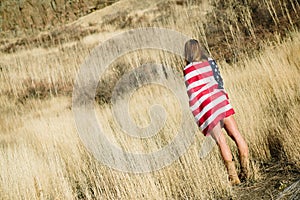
<point x="195" y="89"/>
<point x="204" y="92"/>
<point x="206" y="102"/>
<point x="196" y="66"/>
<point x="212" y="125"/>
<point x="212" y="111"/>
<point x="215" y="122"/>
<point x="199" y="77"/>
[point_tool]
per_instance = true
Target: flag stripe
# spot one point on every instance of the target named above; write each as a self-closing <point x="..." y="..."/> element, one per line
<point x="205" y="96"/>
<point x="203" y="92"/>
<point x="200" y="82"/>
<point x="200" y="76"/>
<point x="217" y="119"/>
<point x="207" y="114"/>
<point x="210" y="106"/>
<point x="194" y="65"/>
<point x="221" y="111"/>
<point x="208" y="103"/>
<point x="195" y="93"/>
<point x="197" y="72"/>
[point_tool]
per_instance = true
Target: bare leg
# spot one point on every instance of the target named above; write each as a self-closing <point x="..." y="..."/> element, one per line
<point x="232" y="130"/>
<point x="219" y="137"/>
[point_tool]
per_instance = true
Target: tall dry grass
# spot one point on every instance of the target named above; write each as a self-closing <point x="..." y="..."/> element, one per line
<point x="42" y="157"/>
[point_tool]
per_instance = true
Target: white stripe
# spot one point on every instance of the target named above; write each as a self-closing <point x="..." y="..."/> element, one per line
<point x="189" y="65"/>
<point x="200" y="82"/>
<point x="203" y="98"/>
<point x="210" y="106"/>
<point x="214" y="116"/>
<point x="197" y="72"/>
<point x="210" y="84"/>
<point x="194" y="63"/>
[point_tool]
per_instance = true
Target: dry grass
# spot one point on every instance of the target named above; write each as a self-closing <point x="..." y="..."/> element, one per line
<point x="42" y="157"/>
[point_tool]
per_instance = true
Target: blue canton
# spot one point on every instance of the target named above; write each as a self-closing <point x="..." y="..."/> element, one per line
<point x="216" y="73"/>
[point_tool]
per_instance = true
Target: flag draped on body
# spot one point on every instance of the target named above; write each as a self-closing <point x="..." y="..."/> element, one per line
<point x="207" y="98"/>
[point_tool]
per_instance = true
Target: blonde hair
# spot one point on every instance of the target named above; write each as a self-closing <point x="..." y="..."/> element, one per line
<point x="193" y="51"/>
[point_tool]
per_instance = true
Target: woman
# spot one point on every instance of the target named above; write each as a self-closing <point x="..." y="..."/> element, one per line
<point x="211" y="108"/>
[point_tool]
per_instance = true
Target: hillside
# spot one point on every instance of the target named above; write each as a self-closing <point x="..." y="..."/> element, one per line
<point x="229" y="29"/>
<point x="31" y="16"/>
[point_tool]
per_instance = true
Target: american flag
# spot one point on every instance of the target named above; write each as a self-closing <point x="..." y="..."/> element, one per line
<point x="207" y="98"/>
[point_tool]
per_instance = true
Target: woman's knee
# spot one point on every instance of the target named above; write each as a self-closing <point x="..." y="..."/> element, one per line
<point x="219" y="137"/>
<point x="231" y="127"/>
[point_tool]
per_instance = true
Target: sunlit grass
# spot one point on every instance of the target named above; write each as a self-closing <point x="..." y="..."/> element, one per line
<point x="42" y="156"/>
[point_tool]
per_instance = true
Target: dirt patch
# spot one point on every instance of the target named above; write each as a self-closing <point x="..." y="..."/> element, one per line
<point x="276" y="179"/>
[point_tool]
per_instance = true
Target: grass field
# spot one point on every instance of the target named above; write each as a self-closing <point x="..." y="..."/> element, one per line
<point x="42" y="156"/>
